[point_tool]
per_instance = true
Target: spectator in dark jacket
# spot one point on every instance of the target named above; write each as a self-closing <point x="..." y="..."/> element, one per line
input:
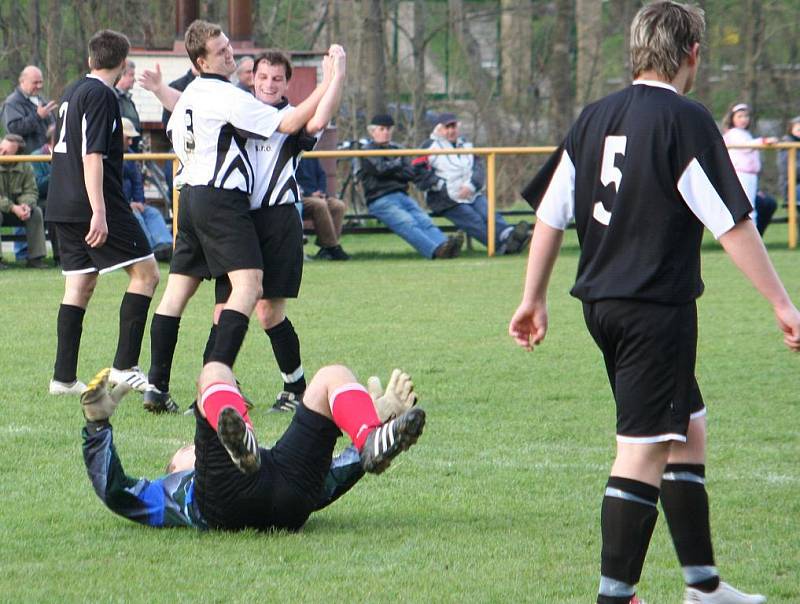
<point x="26" y="112"/>
<point x="326" y="212"/>
<point x="385" y="181"/>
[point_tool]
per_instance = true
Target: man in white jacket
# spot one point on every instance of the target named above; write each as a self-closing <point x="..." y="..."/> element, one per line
<point x="458" y="193"/>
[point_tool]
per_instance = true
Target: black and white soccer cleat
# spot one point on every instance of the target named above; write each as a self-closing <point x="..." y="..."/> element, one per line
<point x="239" y="440"/>
<point x="390" y="439"/>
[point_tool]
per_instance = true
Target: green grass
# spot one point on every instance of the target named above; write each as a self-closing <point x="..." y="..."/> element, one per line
<point x="499" y="501"/>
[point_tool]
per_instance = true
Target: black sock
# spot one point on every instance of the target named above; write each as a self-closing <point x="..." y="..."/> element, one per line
<point x="231" y="329"/>
<point x="132" y="321"/>
<point x="286" y="347"/>
<point x="627" y="519"/>
<point x="163" y="340"/>
<point x="69" y="327"/>
<point x="212" y="340"/>
<point x="685" y="503"/>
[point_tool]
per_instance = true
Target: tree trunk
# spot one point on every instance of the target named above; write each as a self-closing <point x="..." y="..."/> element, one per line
<point x="561" y="99"/>
<point x="589" y="70"/>
<point x="516" y="47"/>
<point x="373" y="60"/>
<point x="754" y="36"/>
<point x="418" y="94"/>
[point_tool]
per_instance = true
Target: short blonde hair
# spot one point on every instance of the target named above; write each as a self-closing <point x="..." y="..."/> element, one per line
<point x="662" y="35"/>
<point x="198" y="33"/>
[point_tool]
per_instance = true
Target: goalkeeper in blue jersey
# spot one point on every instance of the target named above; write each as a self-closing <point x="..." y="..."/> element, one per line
<point x="226" y="481"/>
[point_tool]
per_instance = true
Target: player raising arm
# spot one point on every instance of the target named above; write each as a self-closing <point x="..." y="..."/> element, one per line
<point x="642" y="171"/>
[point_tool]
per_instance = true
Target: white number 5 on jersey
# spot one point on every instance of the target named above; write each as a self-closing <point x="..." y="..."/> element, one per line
<point x="609" y="173"/>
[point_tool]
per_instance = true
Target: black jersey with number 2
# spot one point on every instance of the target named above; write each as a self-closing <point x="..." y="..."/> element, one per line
<point x="641" y="172"/>
<point x="88" y="122"/>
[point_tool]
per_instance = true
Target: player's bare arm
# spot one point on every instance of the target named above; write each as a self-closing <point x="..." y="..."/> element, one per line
<point x="745" y="247"/>
<point x="93" y="176"/>
<point x="329" y="104"/>
<point x="529" y="324"/>
<point x="154" y="82"/>
<point x="297" y="118"/>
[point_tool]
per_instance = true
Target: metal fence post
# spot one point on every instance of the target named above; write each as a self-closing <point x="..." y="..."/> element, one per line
<point x="491" y="189"/>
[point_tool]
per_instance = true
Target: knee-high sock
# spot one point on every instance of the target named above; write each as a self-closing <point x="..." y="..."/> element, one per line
<point x="163" y="340"/>
<point x="231" y="330"/>
<point x="685" y="503"/>
<point x="69" y="327"/>
<point x="210" y="343"/>
<point x="132" y="321"/>
<point x="627" y="518"/>
<point x="286" y="347"/>
<point x="354" y="412"/>
<point x="218" y="396"/>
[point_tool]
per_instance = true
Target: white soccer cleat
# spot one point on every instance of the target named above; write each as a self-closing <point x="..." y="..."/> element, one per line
<point x="398" y="398"/>
<point x="134" y="377"/>
<point x="724" y="594"/>
<point x="58" y="388"/>
<point x="97" y="402"/>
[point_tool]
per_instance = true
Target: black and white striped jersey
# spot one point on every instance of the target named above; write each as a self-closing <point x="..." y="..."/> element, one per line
<point x="274" y="163"/>
<point x="88" y="122"/>
<point x="641" y="172"/>
<point x="209" y="128"/>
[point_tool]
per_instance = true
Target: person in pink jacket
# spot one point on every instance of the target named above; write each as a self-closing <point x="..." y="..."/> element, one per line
<point x="746" y="162"/>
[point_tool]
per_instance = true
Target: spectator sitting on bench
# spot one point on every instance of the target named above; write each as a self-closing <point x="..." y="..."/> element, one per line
<point x="385" y="181"/>
<point x="326" y="212"/>
<point x="18" y="197"/>
<point x="458" y="193"/>
<point x="150" y="219"/>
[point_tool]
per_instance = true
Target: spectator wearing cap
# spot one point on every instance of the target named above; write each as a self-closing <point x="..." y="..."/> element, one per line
<point x="457" y="192"/>
<point x="150" y="219"/>
<point x="792" y="136"/>
<point x="18" y="196"/>
<point x="26" y="112"/>
<point x="385" y="181"/>
<point x="127" y="108"/>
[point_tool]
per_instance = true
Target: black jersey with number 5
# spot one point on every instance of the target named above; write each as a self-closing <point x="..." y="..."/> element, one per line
<point x="641" y="172"/>
<point x="88" y="122"/>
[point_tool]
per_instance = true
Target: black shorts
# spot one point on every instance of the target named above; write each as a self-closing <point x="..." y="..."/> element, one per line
<point x="126" y="244"/>
<point x="649" y="351"/>
<point x="215" y="233"/>
<point x="280" y="234"/>
<point x="284" y="491"/>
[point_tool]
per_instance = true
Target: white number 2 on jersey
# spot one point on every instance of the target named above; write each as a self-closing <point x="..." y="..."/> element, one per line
<point x="609" y="173"/>
<point x="61" y="146"/>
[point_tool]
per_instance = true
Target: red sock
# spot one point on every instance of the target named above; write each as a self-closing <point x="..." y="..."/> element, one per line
<point x="219" y="395"/>
<point x="354" y="412"/>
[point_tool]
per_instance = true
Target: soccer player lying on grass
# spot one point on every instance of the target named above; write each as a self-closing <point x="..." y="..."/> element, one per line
<point x="225" y="481"/>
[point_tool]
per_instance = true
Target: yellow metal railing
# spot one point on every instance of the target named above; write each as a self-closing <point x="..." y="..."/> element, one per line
<point x="490" y="153"/>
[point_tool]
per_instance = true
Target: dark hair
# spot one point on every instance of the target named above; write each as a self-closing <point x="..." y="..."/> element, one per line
<point x="17" y="139"/>
<point x="198" y="33"/>
<point x="107" y="49"/>
<point x="275" y="57"/>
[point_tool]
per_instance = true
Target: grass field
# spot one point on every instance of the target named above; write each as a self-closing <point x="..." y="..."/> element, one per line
<point x="499" y="501"/>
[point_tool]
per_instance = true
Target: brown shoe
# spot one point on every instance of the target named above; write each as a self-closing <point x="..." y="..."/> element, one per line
<point x="35" y="263"/>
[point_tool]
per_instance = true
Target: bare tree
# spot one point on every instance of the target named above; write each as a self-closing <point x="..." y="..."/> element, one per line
<point x="754" y="37"/>
<point x="560" y="69"/>
<point x="373" y="58"/>
<point x="589" y="69"/>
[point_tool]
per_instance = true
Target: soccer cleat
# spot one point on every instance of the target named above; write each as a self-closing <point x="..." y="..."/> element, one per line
<point x="724" y="594"/>
<point x="133" y="377"/>
<point x="57" y="388"/>
<point x="390" y="439"/>
<point x="239" y="440"/>
<point x="398" y="398"/>
<point x="97" y="402"/>
<point x="286" y="401"/>
<point x="156" y="401"/>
